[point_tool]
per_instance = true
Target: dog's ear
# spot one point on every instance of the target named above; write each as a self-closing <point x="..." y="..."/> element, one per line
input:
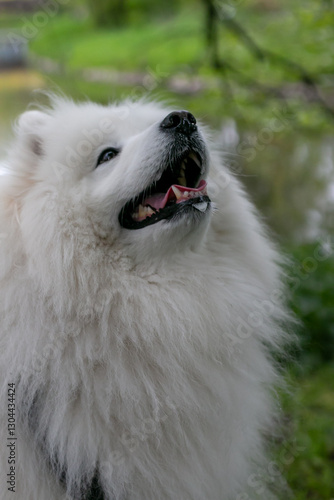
<point x="30" y="127"/>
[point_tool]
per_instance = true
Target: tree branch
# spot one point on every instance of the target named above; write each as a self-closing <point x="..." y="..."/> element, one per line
<point x="304" y="77"/>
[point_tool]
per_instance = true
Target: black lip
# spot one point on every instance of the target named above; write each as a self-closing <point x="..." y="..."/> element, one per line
<point x="167" y="213"/>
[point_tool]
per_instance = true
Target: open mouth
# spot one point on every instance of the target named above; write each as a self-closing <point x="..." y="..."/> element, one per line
<point x="180" y="188"/>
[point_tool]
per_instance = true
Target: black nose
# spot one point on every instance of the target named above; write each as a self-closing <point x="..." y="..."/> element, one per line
<point x="180" y="121"/>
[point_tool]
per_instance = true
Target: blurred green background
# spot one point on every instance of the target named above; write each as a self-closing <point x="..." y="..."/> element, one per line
<point x="261" y="73"/>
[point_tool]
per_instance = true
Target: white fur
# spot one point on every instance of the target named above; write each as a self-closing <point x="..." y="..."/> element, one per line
<point x="144" y="353"/>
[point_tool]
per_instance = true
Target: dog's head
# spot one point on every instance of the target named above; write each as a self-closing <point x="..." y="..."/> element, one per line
<point x="136" y="171"/>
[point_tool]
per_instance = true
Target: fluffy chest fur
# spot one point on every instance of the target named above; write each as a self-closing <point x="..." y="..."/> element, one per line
<point x="149" y="378"/>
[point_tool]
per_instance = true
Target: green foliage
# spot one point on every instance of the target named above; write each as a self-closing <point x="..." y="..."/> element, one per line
<point x="175" y="44"/>
<point x="311" y="280"/>
<point x="306" y="456"/>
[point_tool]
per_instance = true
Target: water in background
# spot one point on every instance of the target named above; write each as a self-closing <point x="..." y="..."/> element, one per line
<point x="290" y="176"/>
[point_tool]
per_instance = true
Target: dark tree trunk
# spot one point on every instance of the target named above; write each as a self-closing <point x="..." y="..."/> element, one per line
<point x="211" y="31"/>
<point x="109" y="12"/>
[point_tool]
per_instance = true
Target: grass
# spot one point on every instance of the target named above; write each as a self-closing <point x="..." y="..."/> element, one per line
<point x="171" y="44"/>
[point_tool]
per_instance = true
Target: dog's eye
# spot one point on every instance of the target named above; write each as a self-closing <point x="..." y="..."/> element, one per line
<point x="107" y="155"/>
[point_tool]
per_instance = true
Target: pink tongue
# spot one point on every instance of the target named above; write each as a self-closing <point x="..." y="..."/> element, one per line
<point x="160" y="200"/>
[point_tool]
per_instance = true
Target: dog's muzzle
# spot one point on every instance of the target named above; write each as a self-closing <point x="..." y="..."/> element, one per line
<point x="181" y="188"/>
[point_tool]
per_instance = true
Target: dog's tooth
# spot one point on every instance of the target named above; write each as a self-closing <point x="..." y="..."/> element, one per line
<point x="149" y="211"/>
<point x="195" y="159"/>
<point x="201" y="206"/>
<point x="186" y="194"/>
<point x="141" y="211"/>
<point x="177" y="192"/>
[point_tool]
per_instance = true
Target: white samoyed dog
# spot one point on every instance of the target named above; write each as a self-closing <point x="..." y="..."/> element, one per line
<point x="141" y="308"/>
